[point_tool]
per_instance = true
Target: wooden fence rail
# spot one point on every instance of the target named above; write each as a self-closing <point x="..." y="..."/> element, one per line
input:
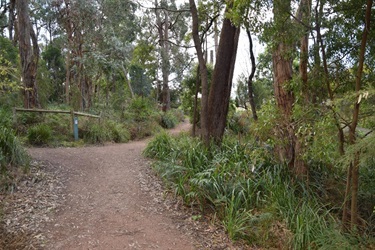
<point x="54" y="111"/>
<point x="72" y="113"/>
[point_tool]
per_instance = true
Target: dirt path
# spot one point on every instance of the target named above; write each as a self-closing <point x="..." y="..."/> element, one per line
<point x="110" y="201"/>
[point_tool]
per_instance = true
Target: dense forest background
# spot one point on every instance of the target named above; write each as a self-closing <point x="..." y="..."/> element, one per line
<point x="285" y="159"/>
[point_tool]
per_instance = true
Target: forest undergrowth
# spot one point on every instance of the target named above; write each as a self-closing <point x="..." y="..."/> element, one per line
<point x="255" y="198"/>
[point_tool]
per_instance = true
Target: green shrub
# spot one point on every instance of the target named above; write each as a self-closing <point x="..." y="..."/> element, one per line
<point x="11" y="151"/>
<point x="39" y="134"/>
<point x="60" y="123"/>
<point x="141" y="109"/>
<point x="117" y="132"/>
<point x="95" y="133"/>
<point x="98" y="133"/>
<point x="159" y="146"/>
<point x="179" y="114"/>
<point x="6" y="118"/>
<point x="239" y="122"/>
<point x="140" y="130"/>
<point x="27" y="118"/>
<point x="12" y="157"/>
<point x="168" y="120"/>
<point x="141" y="118"/>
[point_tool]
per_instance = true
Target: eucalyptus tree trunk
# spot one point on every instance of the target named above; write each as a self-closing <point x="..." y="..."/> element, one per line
<point x="219" y="96"/>
<point x="303" y="16"/>
<point x="282" y="70"/>
<point x="289" y="145"/>
<point x="165" y="65"/>
<point x="163" y="29"/>
<point x="352" y="128"/>
<point x="68" y="61"/>
<point x="125" y="72"/>
<point x="202" y="70"/>
<point x="318" y="14"/>
<point x="29" y="55"/>
<point x="11" y="20"/>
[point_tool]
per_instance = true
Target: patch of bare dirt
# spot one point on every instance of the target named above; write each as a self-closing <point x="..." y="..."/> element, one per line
<point x="102" y="198"/>
<point x="28" y="205"/>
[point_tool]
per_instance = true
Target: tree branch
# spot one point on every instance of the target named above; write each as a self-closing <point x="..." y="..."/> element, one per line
<point x="301" y="22"/>
<point x="162" y="8"/>
<point x="209" y="26"/>
<point x="178" y="45"/>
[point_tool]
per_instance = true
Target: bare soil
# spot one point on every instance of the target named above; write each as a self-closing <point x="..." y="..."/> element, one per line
<point x="104" y="197"/>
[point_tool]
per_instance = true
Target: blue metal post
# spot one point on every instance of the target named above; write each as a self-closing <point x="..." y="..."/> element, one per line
<point x="76" y="128"/>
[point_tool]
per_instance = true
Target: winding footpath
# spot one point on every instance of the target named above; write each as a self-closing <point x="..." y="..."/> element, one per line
<point x="110" y="200"/>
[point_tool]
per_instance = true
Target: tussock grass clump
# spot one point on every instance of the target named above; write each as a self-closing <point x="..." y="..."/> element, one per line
<point x="95" y="133"/>
<point x="160" y="146"/>
<point x="255" y="199"/>
<point x="99" y="133"/>
<point x="168" y="120"/>
<point x="13" y="157"/>
<point x="239" y="122"/>
<point x="117" y="132"/>
<point x="6" y="118"/>
<point x="11" y="150"/>
<point x="140" y="130"/>
<point x="39" y="134"/>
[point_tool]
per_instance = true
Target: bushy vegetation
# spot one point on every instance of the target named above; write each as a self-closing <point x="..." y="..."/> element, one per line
<point x="95" y="133"/>
<point x="139" y="119"/>
<point x="98" y="133"/>
<point x="39" y="134"/>
<point x="12" y="154"/>
<point x="11" y="151"/>
<point x="168" y="120"/>
<point x="254" y="197"/>
<point x="142" y="118"/>
<point x="239" y="122"/>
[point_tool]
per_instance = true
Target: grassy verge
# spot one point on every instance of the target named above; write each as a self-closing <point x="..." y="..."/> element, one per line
<point x="254" y="198"/>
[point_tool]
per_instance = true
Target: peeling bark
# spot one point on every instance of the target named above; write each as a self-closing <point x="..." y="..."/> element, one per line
<point x="29" y="55"/>
<point x="203" y="72"/>
<point x="219" y="97"/>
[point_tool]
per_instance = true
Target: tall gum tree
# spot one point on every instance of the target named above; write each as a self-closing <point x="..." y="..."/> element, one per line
<point x="169" y="39"/>
<point x="202" y="70"/>
<point x="282" y="56"/>
<point x="219" y="96"/>
<point x="163" y="32"/>
<point x="215" y="100"/>
<point x="354" y="180"/>
<point x="303" y="17"/>
<point x="29" y="54"/>
<point x="282" y="70"/>
<point x="80" y="21"/>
